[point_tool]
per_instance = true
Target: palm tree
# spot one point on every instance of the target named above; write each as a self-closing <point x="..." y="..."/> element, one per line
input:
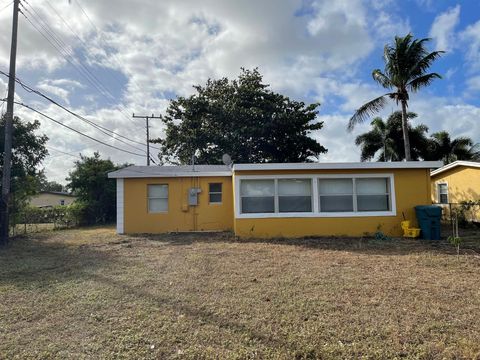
<point x="406" y="65"/>
<point x="442" y="147"/>
<point x="474" y="152"/>
<point x="386" y="137"/>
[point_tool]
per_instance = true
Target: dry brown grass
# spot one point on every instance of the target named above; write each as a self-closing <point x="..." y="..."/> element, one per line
<point x="93" y="294"/>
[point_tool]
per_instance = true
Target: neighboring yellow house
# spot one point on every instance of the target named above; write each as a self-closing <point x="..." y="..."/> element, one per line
<point x="455" y="183"/>
<point x="272" y="200"/>
<point x="46" y="199"/>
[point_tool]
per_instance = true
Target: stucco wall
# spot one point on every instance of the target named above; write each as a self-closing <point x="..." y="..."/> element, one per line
<point x="463" y="185"/>
<point x="412" y="187"/>
<point x="180" y="216"/>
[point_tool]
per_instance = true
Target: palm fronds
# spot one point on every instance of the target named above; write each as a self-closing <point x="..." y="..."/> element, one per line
<point x="367" y="109"/>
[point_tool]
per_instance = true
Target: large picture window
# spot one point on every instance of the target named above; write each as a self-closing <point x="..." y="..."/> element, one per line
<point x="157" y="198"/>
<point x="295" y="195"/>
<point x="315" y="196"/>
<point x="257" y="196"/>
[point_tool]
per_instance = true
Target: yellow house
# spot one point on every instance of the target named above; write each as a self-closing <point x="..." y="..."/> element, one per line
<point x="46" y="199"/>
<point x="272" y="200"/>
<point x="456" y="183"/>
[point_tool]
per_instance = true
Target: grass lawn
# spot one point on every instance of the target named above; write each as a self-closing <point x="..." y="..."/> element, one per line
<point x="93" y="294"/>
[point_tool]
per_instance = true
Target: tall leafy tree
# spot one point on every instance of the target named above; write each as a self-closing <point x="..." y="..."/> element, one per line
<point x="29" y="151"/>
<point x="43" y="184"/>
<point x="442" y="147"/>
<point x="407" y="61"/>
<point x="385" y="139"/>
<point x="90" y="183"/>
<point x="242" y="118"/>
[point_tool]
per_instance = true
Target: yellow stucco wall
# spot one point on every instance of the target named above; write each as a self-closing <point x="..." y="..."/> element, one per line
<point x="412" y="187"/>
<point x="47" y="199"/>
<point x="463" y="185"/>
<point x="180" y="216"/>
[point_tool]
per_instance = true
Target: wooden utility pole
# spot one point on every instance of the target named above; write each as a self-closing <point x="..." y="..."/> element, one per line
<point x="7" y="157"/>
<point x="147" y="117"/>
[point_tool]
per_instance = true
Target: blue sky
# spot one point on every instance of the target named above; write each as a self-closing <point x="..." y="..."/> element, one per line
<point x="317" y="51"/>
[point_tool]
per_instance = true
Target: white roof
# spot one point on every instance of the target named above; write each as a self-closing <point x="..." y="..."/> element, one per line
<point x="341" y="165"/>
<point x="455" y="164"/>
<point x="223" y="170"/>
<point x="171" y="171"/>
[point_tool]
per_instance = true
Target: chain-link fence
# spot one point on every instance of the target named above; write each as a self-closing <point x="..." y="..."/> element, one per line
<point x="33" y="219"/>
<point x="467" y="213"/>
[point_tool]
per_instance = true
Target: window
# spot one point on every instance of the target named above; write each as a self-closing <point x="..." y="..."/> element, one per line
<point x="301" y="195"/>
<point x="295" y="195"/>
<point x="157" y="198"/>
<point x="257" y="196"/>
<point x="336" y="195"/>
<point x="442" y="193"/>
<point x="372" y="194"/>
<point x="215" y="193"/>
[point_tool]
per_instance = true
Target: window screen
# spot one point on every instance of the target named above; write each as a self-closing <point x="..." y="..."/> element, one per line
<point x="443" y="193"/>
<point x="157" y="198"/>
<point x="336" y="195"/>
<point x="215" y="193"/>
<point x="372" y="194"/>
<point x="295" y="195"/>
<point x="257" y="196"/>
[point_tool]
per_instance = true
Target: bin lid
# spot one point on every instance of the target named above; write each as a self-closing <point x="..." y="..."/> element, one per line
<point x="429" y="210"/>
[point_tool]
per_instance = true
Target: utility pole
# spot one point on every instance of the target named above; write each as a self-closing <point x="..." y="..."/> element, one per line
<point x="147" y="117"/>
<point x="7" y="157"/>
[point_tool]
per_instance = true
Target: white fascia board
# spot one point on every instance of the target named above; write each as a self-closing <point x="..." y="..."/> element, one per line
<point x="340" y="166"/>
<point x="454" y="165"/>
<point x="138" y="174"/>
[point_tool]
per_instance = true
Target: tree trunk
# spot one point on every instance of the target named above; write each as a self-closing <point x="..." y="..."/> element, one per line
<point x="406" y="138"/>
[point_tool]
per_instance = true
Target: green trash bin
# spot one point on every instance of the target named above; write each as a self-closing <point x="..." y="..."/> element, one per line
<point x="429" y="217"/>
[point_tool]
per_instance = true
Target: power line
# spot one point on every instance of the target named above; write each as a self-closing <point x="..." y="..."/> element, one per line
<point x="74" y="154"/>
<point x="147" y="117"/>
<point x="112" y="55"/>
<point x="75" y="130"/>
<point x="7" y="6"/>
<point x="101" y="128"/>
<point x="68" y="54"/>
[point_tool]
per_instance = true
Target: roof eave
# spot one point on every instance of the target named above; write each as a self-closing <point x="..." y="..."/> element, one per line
<point x="454" y="165"/>
<point x="115" y="175"/>
<point x="340" y="166"/>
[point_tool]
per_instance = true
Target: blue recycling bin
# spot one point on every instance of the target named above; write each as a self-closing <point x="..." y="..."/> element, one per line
<point x="429" y="217"/>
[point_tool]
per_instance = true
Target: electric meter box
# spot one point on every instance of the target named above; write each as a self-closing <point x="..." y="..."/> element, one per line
<point x="193" y="196"/>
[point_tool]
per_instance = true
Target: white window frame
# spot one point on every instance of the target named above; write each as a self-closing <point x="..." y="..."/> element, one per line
<point x="215" y="193"/>
<point x="277" y="195"/>
<point x="437" y="186"/>
<point x="315" y="196"/>
<point x="152" y="198"/>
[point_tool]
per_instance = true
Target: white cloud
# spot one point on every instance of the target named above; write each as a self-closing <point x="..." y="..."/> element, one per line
<point x="471" y="39"/>
<point x="55" y="90"/>
<point x="159" y="49"/>
<point x="443" y="27"/>
<point x="473" y="83"/>
<point x="387" y="25"/>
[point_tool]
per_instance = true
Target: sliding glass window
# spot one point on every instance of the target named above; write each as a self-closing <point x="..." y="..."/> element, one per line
<point x="257" y="196"/>
<point x="295" y="195"/>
